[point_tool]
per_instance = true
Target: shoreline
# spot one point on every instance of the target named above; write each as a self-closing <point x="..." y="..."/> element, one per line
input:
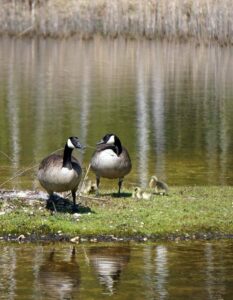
<point x="205" y="21"/>
<point x="58" y="238"/>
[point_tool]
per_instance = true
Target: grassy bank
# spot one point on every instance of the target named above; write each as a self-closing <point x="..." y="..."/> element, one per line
<point x="201" y="20"/>
<point x="189" y="212"/>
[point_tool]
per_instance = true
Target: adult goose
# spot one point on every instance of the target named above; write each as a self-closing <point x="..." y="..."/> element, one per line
<point x="110" y="160"/>
<point x="60" y="173"/>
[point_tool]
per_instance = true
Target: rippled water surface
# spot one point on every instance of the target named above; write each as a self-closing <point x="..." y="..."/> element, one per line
<point x="171" y="105"/>
<point x="184" y="270"/>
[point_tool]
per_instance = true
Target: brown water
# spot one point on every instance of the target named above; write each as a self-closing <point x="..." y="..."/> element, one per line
<point x="171" y="105"/>
<point x="184" y="270"/>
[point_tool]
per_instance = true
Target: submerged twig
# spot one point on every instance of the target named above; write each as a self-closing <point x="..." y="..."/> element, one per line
<point x="82" y="182"/>
<point x="86" y="256"/>
<point x="88" y="146"/>
<point x="95" y="198"/>
<point x="7" y="156"/>
<point x="21" y="172"/>
<point x="17" y="175"/>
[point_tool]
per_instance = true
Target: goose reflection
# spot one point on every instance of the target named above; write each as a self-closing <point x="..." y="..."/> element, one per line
<point x="108" y="263"/>
<point x="59" y="278"/>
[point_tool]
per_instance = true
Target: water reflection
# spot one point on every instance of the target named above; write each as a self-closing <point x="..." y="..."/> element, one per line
<point x="189" y="270"/>
<point x="170" y="104"/>
<point x="142" y="120"/>
<point x="13" y="99"/>
<point x="8" y="272"/>
<point x="161" y="271"/>
<point x="59" y="278"/>
<point x="108" y="263"/>
<point x="157" y="272"/>
<point x="158" y="111"/>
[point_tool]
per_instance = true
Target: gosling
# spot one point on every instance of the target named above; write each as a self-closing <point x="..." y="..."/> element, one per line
<point x="138" y="193"/>
<point x="88" y="187"/>
<point x="159" y="187"/>
<point x="110" y="160"/>
<point x="60" y="173"/>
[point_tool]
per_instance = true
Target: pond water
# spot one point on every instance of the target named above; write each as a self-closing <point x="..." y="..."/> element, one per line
<point x="171" y="105"/>
<point x="184" y="270"/>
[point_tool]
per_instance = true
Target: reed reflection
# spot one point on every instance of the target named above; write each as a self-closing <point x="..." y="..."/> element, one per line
<point x="142" y="120"/>
<point x="13" y="113"/>
<point x="8" y="262"/>
<point x="108" y="263"/>
<point x="174" y="100"/>
<point x="156" y="270"/>
<point x="158" y="111"/>
<point x="161" y="271"/>
<point x="85" y="96"/>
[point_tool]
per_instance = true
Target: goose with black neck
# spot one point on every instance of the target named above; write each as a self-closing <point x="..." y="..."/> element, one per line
<point x="60" y="173"/>
<point x="110" y="160"/>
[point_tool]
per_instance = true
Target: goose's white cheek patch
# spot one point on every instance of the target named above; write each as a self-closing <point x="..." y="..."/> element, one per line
<point x="70" y="144"/>
<point x="111" y="140"/>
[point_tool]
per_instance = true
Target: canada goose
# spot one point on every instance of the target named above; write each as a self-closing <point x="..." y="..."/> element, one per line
<point x="60" y="173"/>
<point x="159" y="187"/>
<point x="110" y="160"/>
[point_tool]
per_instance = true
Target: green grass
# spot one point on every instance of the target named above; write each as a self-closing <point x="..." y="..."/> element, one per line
<point x="186" y="211"/>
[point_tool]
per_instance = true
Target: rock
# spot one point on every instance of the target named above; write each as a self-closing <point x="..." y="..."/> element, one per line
<point x="84" y="240"/>
<point x="93" y="240"/>
<point x="21" y="237"/>
<point x="75" y="240"/>
<point x="76" y="216"/>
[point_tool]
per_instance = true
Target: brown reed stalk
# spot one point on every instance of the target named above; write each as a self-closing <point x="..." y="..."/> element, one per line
<point x="201" y="20"/>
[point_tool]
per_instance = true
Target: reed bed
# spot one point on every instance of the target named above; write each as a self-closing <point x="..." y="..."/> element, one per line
<point x="201" y="20"/>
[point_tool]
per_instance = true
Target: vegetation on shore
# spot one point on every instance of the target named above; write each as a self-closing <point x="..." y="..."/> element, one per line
<point x="201" y="20"/>
<point x="187" y="212"/>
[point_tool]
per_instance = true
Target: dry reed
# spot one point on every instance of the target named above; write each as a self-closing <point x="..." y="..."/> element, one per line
<point x="201" y="20"/>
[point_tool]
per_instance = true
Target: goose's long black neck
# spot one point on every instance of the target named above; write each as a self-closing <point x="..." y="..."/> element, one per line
<point x="67" y="158"/>
<point x="118" y="147"/>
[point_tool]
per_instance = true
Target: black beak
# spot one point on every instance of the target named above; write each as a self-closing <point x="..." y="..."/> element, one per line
<point x="78" y="145"/>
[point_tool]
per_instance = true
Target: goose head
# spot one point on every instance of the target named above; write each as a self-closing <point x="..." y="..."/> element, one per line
<point x="153" y="181"/>
<point x="111" y="140"/>
<point x="73" y="142"/>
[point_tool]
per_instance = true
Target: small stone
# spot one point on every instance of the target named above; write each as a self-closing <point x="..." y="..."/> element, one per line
<point x="21" y="237"/>
<point x="94" y="240"/>
<point x="84" y="240"/>
<point x="76" y="216"/>
<point x="75" y="240"/>
<point x="2" y="213"/>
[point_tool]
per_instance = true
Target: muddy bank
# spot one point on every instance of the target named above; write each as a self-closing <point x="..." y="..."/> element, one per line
<point x="59" y="237"/>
